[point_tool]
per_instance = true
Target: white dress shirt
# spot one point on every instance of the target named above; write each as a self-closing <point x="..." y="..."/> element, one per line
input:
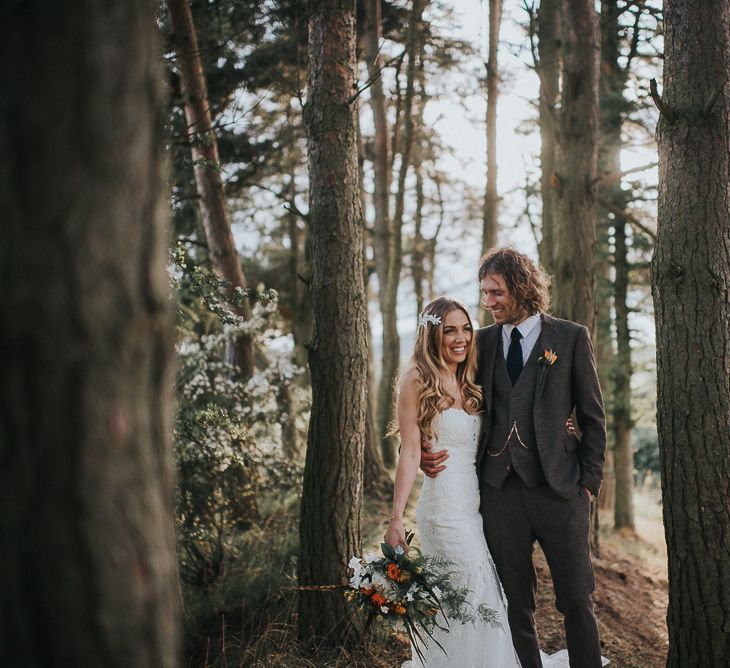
<point x="530" y="329"/>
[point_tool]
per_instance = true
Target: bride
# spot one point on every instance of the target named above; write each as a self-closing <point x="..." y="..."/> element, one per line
<point x="439" y="399"/>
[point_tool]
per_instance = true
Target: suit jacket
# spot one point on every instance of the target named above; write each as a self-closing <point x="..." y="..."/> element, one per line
<point x="570" y="384"/>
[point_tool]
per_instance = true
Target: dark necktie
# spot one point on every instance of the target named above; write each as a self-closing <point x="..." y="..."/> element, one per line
<point x="514" y="356"/>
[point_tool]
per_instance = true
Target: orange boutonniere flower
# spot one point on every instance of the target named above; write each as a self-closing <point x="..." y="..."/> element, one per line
<point x="545" y="361"/>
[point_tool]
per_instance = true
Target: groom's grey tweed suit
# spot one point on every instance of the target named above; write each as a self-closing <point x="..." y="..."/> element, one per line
<point x="530" y="474"/>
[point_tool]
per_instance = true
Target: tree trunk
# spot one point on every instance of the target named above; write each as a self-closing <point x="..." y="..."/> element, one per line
<point x="391" y="339"/>
<point x="381" y="150"/>
<point x="382" y="227"/>
<point x="204" y="147"/>
<point x="549" y="70"/>
<point x="489" y="214"/>
<point x="576" y="163"/>
<point x="376" y="478"/>
<point x="622" y="423"/>
<point x="489" y="219"/>
<point x="299" y="270"/>
<point x="86" y="534"/>
<point x="418" y="253"/>
<point x="332" y="492"/>
<point x="613" y="108"/>
<point x="691" y="290"/>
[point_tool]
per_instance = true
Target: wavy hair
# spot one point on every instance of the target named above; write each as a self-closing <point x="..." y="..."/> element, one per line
<point x="428" y="361"/>
<point x="526" y="281"/>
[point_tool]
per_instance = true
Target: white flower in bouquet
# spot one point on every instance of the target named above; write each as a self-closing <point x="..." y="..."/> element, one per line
<point x="383" y="585"/>
<point x="356" y="567"/>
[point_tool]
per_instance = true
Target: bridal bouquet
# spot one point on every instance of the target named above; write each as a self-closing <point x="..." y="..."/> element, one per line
<point x="412" y="593"/>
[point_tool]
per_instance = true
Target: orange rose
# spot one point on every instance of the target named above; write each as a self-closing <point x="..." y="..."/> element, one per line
<point x="377" y="600"/>
<point x="366" y="591"/>
<point x="393" y="571"/>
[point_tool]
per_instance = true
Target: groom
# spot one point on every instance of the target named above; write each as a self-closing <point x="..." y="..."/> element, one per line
<point x="536" y="479"/>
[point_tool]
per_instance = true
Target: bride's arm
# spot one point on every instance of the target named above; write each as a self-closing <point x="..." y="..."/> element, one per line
<point x="410" y="457"/>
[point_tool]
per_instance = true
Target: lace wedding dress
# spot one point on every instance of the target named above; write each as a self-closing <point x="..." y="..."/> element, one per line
<point x="450" y="526"/>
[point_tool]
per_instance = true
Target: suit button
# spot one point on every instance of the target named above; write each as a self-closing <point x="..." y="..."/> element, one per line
<point x="514" y="395"/>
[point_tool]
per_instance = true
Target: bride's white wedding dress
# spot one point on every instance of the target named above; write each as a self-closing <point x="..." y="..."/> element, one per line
<point x="450" y="526"/>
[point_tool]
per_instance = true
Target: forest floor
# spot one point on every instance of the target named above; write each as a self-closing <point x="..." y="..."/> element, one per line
<point x="630" y="600"/>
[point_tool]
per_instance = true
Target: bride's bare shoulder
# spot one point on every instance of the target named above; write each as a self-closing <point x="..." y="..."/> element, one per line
<point x="409" y="382"/>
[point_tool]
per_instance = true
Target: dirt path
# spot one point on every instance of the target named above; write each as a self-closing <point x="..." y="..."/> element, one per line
<point x="630" y="604"/>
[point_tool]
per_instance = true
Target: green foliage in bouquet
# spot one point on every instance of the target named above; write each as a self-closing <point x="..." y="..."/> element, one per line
<point x="412" y="592"/>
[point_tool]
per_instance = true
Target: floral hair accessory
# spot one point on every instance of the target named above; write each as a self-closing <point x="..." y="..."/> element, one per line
<point x="425" y="318"/>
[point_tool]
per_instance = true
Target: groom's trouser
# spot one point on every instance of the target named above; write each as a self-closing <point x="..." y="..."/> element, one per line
<point x="514" y="517"/>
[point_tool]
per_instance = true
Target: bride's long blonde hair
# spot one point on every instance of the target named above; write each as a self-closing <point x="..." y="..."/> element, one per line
<point x="432" y="395"/>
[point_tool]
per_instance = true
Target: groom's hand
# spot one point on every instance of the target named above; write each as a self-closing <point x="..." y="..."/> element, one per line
<point x="587" y="491"/>
<point x="432" y="463"/>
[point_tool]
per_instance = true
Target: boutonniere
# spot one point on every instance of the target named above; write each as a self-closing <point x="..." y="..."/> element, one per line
<point x="545" y="361"/>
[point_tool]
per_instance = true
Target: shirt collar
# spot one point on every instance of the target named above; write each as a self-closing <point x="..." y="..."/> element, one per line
<point x="525" y="327"/>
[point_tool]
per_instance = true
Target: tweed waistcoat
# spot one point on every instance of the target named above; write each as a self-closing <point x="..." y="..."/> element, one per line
<point x="512" y="444"/>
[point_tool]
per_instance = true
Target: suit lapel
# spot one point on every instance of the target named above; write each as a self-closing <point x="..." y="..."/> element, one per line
<point x="547" y="342"/>
<point x="487" y="357"/>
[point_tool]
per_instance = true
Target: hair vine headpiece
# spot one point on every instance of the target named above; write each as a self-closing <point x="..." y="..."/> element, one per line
<point x="425" y="318"/>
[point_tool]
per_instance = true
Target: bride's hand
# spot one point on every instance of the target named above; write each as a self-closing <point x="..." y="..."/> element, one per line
<point x="396" y="534"/>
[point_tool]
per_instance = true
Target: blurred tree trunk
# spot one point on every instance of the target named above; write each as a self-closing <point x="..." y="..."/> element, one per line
<point x="204" y="146"/>
<point x="376" y="477"/>
<point x="383" y="226"/>
<point x="331" y="504"/>
<point x="614" y="106"/>
<point x="418" y="252"/>
<point x="548" y="67"/>
<point x="576" y="161"/>
<point x="391" y="339"/>
<point x="691" y="290"/>
<point x="622" y="423"/>
<point x="299" y="270"/>
<point x="489" y="214"/>
<point x="86" y="533"/>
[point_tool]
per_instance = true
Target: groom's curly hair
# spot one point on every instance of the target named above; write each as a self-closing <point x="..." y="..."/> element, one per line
<point x="527" y="281"/>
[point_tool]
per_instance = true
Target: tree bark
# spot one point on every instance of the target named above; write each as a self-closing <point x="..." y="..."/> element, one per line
<point x="377" y="482"/>
<point x="576" y="166"/>
<point x="622" y="423"/>
<point x="204" y="147"/>
<point x="391" y="339"/>
<point x="489" y="218"/>
<point x="381" y="149"/>
<point x="331" y="505"/>
<point x="691" y="290"/>
<point x="383" y="226"/>
<point x="549" y="70"/>
<point x="86" y="532"/>
<point x="489" y="214"/>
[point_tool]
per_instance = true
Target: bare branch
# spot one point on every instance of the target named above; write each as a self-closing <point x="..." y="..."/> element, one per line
<point x="663" y="109"/>
<point x="609" y="179"/>
<point x="628" y="217"/>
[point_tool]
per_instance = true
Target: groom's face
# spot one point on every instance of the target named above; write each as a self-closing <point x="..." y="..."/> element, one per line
<point x="496" y="297"/>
